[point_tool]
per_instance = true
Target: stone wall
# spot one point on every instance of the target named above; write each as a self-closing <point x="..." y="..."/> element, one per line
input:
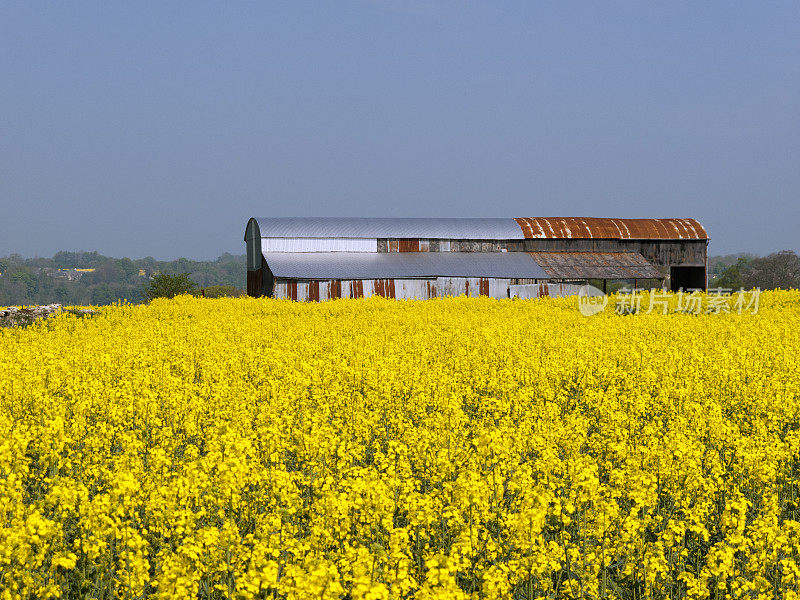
<point x="26" y="315"/>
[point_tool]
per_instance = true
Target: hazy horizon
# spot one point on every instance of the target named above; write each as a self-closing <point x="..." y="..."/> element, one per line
<point x="155" y="129"/>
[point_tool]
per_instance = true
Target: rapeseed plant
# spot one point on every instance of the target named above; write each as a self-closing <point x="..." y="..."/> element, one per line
<point x="452" y="448"/>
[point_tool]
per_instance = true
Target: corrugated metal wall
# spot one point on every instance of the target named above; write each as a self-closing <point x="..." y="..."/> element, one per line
<point x="538" y="290"/>
<point x="421" y="289"/>
<point x="316" y="291"/>
<point x="659" y="252"/>
<point x="318" y="245"/>
<point x="413" y="245"/>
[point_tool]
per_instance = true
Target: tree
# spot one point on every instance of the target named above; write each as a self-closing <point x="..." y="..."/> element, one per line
<point x="62" y="294"/>
<point x="164" y="285"/>
<point x="732" y="278"/>
<point x="65" y="260"/>
<point x="77" y="260"/>
<point x="24" y="276"/>
<point x="127" y="267"/>
<point x="102" y="294"/>
<point x="223" y="291"/>
<point x="780" y="270"/>
<point x="108" y="272"/>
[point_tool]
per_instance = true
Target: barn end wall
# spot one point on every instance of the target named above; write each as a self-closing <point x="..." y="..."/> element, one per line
<point x="255" y="260"/>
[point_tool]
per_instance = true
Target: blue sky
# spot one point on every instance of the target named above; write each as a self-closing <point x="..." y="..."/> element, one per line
<point x="158" y="128"/>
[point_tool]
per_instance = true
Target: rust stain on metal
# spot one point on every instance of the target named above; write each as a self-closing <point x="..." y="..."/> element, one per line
<point x="313" y="291"/>
<point x="384" y="288"/>
<point x="409" y="245"/>
<point x="466" y="287"/>
<point x="334" y="289"/>
<point x="357" y="289"/>
<point x="602" y="228"/>
<point x="484" y="287"/>
<point x="292" y="289"/>
<point x="431" y="288"/>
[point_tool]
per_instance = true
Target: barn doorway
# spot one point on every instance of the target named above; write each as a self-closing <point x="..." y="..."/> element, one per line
<point x="687" y="278"/>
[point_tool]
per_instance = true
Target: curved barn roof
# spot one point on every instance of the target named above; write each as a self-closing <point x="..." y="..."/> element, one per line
<point x="479" y="229"/>
<point x="364" y="227"/>
<point x="625" y="229"/>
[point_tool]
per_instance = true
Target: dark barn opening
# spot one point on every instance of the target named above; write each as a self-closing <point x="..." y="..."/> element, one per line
<point x="687" y="278"/>
<point x="254" y="281"/>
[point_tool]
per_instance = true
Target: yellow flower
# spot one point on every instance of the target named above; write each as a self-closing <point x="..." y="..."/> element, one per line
<point x="453" y="448"/>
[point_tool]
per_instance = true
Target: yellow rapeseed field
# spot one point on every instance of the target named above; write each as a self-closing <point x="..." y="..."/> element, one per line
<point x="453" y="448"/>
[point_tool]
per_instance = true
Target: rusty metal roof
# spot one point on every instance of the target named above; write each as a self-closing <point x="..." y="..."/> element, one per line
<point x="596" y="265"/>
<point x="402" y="265"/>
<point x="625" y="229"/>
<point x="476" y="229"/>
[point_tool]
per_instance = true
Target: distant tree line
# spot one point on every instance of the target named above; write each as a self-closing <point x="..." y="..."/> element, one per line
<point x="105" y="280"/>
<point x="780" y="270"/>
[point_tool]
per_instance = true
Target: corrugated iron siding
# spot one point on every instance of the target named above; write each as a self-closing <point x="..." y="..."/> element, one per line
<point x="400" y="289"/>
<point x="413" y="245"/>
<point x="318" y="245"/>
<point x="539" y="290"/>
<point x="477" y="246"/>
<point x="625" y="229"/>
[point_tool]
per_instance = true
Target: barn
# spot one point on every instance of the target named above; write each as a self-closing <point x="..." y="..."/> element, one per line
<point x="322" y="258"/>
